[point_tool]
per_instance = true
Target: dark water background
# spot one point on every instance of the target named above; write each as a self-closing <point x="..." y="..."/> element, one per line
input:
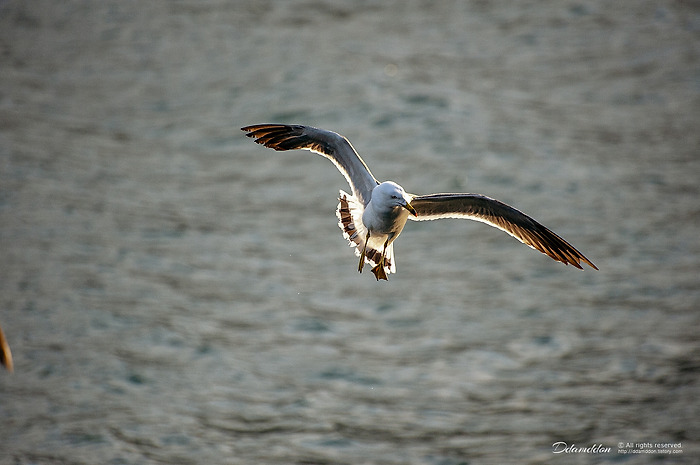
<point x="176" y="294"/>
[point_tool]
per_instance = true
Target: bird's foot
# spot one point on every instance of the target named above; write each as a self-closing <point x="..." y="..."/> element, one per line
<point x="362" y="254"/>
<point x="379" y="273"/>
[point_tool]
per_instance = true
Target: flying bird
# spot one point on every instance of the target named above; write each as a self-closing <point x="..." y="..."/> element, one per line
<point x="373" y="216"/>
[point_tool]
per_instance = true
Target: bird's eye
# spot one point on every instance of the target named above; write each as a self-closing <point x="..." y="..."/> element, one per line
<point x="394" y="196"/>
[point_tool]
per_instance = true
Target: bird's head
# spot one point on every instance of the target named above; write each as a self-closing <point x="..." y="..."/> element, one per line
<point x="389" y="195"/>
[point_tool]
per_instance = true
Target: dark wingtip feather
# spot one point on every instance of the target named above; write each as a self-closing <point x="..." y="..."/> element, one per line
<point x="268" y="135"/>
<point x="551" y="244"/>
<point x="590" y="263"/>
<point x="279" y="137"/>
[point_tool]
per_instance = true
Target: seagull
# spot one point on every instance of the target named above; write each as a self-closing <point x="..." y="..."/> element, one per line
<point x="373" y="216"/>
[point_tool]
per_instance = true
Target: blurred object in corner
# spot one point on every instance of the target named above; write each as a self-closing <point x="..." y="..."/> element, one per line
<point x="5" y="353"/>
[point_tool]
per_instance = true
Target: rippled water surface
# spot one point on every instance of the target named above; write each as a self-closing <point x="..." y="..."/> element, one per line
<point x="174" y="293"/>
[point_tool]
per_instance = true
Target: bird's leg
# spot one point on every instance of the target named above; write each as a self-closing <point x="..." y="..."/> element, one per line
<point x="362" y="255"/>
<point x="378" y="270"/>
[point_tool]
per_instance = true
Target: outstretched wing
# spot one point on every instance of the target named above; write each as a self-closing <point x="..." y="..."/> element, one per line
<point x="326" y="143"/>
<point x="499" y="215"/>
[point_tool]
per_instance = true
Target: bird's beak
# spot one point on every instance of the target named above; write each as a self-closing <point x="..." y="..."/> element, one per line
<point x="410" y="208"/>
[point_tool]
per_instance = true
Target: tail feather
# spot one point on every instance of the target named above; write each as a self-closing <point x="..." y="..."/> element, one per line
<point x="349" y="215"/>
